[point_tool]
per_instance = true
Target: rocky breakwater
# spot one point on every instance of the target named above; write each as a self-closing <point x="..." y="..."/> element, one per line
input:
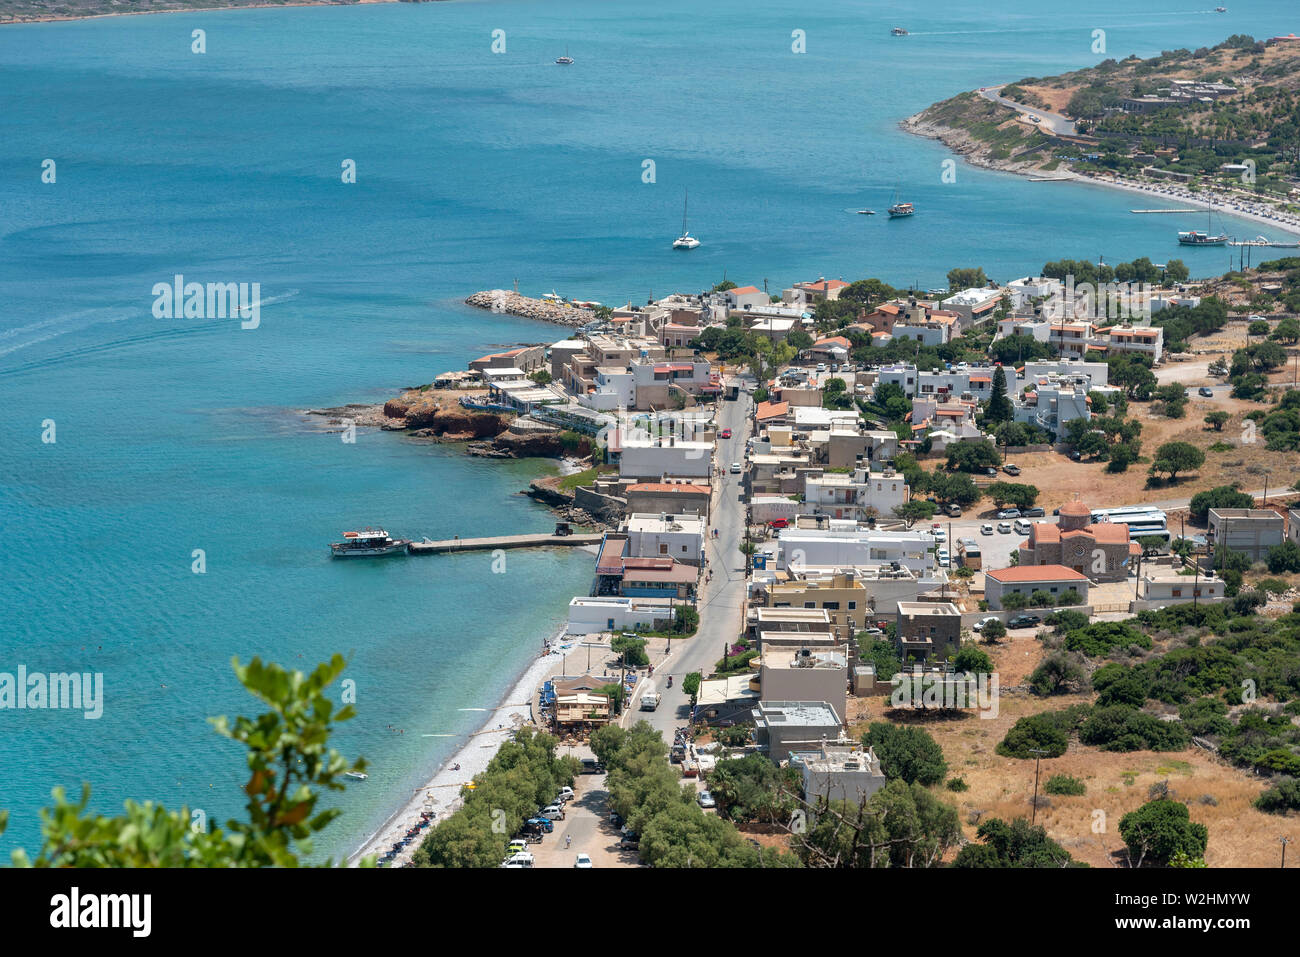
<point x="513" y="304"/>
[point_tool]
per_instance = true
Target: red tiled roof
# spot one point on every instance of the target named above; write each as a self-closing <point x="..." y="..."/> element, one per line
<point x="772" y="410"/>
<point x="834" y="341"/>
<point x="1020" y="574"/>
<point x="743" y="290"/>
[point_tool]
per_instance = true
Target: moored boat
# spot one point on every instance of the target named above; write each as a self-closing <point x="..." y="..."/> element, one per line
<point x="1194" y="237"/>
<point x="901" y="209"/>
<point x="367" y="543"/>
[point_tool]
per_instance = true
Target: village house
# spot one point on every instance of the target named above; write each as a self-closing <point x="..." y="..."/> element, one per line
<point x="928" y="631"/>
<point x="664" y="535"/>
<point x="1024" y="580"/>
<point x="839" y="771"/>
<point x="805" y="674"/>
<point x="1248" y="531"/>
<point x="781" y="727"/>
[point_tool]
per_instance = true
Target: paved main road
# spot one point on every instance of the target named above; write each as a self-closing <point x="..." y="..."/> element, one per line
<point x="1052" y="122"/>
<point x="723" y="597"/>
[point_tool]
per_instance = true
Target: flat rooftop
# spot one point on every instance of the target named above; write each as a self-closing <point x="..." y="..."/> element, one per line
<point x="914" y="609"/>
<point x="797" y="714"/>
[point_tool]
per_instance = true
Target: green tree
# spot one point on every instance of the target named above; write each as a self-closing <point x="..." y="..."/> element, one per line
<point x="691" y="684"/>
<point x="901" y="825"/>
<point x="967" y="278"/>
<point x="999" y="408"/>
<point x="915" y="511"/>
<point x="1175" y="457"/>
<point x="290" y="765"/>
<point x="973" y="456"/>
<point x="1012" y="493"/>
<point x="906" y="753"/>
<point x="1158" y="830"/>
<point x="1218" y="419"/>
<point x="993" y="630"/>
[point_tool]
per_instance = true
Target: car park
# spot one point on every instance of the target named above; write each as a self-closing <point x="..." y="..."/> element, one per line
<point x="986" y="529"/>
<point x="1024" y="621"/>
<point x="1009" y="513"/>
<point x="1004" y="528"/>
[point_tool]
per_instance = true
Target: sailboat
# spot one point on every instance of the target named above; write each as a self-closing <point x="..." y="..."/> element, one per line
<point x="685" y="240"/>
<point x="900" y="209"/>
<point x="1194" y="237"/>
<point x="566" y="59"/>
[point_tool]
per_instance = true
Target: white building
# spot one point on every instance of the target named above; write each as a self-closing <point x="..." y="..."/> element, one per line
<point x="1146" y="340"/>
<point x="849" y="547"/>
<point x="746" y="297"/>
<point x="1053" y="405"/>
<point x="653" y="458"/>
<point x="1024" y="291"/>
<point x="680" y="537"/>
<point x="590" y="616"/>
<point x="1094" y="372"/>
<point x="857" y="495"/>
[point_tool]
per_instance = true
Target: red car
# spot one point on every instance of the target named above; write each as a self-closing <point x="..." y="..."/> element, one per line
<point x="725" y="433"/>
<point x="780" y="523"/>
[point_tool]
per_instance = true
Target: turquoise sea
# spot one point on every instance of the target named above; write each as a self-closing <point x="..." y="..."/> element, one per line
<point x="474" y="169"/>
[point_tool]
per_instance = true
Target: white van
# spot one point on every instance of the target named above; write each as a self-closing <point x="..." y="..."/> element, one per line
<point x="523" y="859"/>
<point x="1023" y="527"/>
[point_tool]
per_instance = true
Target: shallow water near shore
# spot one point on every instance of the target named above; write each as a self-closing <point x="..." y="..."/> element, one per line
<point x="473" y="169"/>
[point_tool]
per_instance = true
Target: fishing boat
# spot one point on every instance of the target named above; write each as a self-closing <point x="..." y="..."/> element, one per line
<point x="564" y="60"/>
<point x="866" y="212"/>
<point x="685" y="240"/>
<point x="367" y="543"/>
<point x="898" y="32"/>
<point x="1194" y="237"/>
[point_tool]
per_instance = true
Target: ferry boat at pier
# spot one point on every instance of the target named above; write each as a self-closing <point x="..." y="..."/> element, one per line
<point x="368" y="543"/>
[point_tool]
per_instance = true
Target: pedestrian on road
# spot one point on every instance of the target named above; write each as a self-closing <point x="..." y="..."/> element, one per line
<point x="568" y="840"/>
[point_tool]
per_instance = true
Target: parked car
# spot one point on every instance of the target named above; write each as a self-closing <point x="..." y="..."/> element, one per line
<point x="518" y="846"/>
<point x="1022" y="527"/>
<point x="1009" y="513"/>
<point x="979" y="625"/>
<point x="725" y="434"/>
<point x="1011" y="469"/>
<point x="523" y="859"/>
<point x="541" y="824"/>
<point x="940" y="535"/>
<point x="779" y="523"/>
<point x="735" y="468"/>
<point x="582" y="860"/>
<point x="991" y="472"/>
<point x="986" y="529"/>
<point x="706" y="800"/>
<point x="1035" y="512"/>
<point x="952" y="509"/>
<point x="821" y="367"/>
<point x="1004" y="528"/>
<point x="1206" y="391"/>
<point x="1024" y="621"/>
<point x="566" y="794"/>
<point x="553" y="812"/>
<point x="943" y="556"/>
<point x="1075" y="456"/>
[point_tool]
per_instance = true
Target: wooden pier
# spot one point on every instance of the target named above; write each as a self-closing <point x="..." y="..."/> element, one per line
<point x="503" y="541"/>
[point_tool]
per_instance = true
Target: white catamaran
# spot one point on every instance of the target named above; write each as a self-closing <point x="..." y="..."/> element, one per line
<point x="685" y="240"/>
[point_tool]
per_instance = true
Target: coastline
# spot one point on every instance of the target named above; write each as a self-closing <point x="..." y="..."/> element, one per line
<point x="968" y="149"/>
<point x="207" y="9"/>
<point x="441" y="792"/>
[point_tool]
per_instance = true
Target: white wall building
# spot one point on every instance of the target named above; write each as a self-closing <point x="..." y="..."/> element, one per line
<point x="680" y="537"/>
<point x="590" y="616"/>
<point x="653" y="458"/>
<point x="808" y="548"/>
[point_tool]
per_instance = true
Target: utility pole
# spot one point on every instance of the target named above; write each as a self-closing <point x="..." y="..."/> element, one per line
<point x="1284" y="842"/>
<point x="1264" y="504"/>
<point x="1036" y="752"/>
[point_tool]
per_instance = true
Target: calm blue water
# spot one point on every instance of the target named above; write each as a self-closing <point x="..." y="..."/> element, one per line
<point x="474" y="169"/>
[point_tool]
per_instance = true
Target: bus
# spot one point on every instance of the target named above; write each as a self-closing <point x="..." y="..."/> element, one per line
<point x="1143" y="521"/>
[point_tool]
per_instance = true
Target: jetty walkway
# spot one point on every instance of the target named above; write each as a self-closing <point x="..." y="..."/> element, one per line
<point x="502" y="541"/>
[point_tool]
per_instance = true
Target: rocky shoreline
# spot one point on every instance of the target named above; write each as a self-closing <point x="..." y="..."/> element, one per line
<point x="972" y="150"/>
<point x="512" y="304"/>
